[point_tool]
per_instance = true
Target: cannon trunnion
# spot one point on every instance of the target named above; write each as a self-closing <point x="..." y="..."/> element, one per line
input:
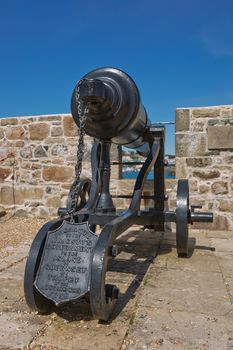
<point x="68" y="259"/>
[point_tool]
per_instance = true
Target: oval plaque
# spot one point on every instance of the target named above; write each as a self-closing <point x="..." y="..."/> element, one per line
<point x="64" y="271"/>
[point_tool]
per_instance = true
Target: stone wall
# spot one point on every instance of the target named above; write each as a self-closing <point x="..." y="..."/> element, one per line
<point x="204" y="154"/>
<point x="37" y="159"/>
<point x="37" y="156"/>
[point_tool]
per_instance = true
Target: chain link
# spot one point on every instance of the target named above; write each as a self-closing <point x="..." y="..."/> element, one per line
<point x="82" y="113"/>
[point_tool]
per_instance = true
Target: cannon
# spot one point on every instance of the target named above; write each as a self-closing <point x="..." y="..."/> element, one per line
<point x="68" y="259"/>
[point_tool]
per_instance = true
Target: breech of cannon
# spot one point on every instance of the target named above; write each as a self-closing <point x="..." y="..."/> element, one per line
<point x="115" y="111"/>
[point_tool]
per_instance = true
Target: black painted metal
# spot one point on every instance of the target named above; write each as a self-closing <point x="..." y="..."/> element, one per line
<point x="159" y="182"/>
<point x="115" y="111"/>
<point x="182" y="218"/>
<point x="64" y="271"/>
<point x="105" y="203"/>
<point x="67" y="246"/>
<point x="34" y="299"/>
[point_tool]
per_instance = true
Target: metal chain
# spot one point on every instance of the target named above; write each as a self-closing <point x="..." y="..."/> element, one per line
<point x="82" y="113"/>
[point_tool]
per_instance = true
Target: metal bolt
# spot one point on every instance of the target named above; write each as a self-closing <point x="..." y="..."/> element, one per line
<point x="112" y="291"/>
<point x="114" y="250"/>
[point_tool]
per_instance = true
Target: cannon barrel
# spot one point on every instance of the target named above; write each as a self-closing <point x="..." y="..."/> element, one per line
<point x="115" y="111"/>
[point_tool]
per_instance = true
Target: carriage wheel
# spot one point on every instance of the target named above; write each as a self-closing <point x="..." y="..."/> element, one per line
<point x="34" y="299"/>
<point x="182" y="218"/>
<point x="82" y="195"/>
<point x="103" y="296"/>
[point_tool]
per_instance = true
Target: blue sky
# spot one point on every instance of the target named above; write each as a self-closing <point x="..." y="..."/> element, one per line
<point x="179" y="52"/>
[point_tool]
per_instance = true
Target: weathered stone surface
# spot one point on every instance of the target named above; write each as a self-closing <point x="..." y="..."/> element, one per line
<point x="59" y="150"/>
<point x="177" y="330"/>
<point x="9" y="121"/>
<point x="198" y="162"/>
<point x="19" y="143"/>
<point x="20" y="194"/>
<point x="56" y="131"/>
<point x="39" y="131"/>
<point x="26" y="152"/>
<point x="1" y="133"/>
<point x="70" y="128"/>
<point x="206" y="174"/>
<point x="54" y="202"/>
<point x="21" y="213"/>
<point x="198" y="125"/>
<point x="203" y="188"/>
<point x="220" y="137"/>
<point x="205" y="112"/>
<point x="57" y="173"/>
<point x="40" y="151"/>
<point x="181" y="169"/>
<point x="213" y="122"/>
<point x="220" y="223"/>
<point x="35" y="166"/>
<point x="227" y="112"/>
<point x="219" y="187"/>
<point x="226" y="205"/>
<point x="15" y="132"/>
<point x="188" y="145"/>
<point x="49" y="118"/>
<point x="6" y="153"/>
<point x="4" y="173"/>
<point x="182" y="119"/>
<point x="24" y="121"/>
<point x="50" y="140"/>
<point x="36" y="174"/>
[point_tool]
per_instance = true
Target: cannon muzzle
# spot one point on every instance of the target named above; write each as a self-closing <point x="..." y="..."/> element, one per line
<point x="115" y="111"/>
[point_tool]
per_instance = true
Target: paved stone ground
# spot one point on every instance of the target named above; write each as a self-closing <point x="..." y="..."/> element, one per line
<point x="165" y="302"/>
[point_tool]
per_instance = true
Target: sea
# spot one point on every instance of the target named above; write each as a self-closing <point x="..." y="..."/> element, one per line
<point x="134" y="174"/>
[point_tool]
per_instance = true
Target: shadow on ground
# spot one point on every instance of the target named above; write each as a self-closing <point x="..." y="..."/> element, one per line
<point x="136" y="251"/>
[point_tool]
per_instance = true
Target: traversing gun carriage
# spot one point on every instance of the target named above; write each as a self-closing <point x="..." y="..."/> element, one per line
<point x="68" y="259"/>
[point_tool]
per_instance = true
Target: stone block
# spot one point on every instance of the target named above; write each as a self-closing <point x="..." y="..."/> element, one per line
<point x="26" y="152"/>
<point x="220" y="223"/>
<point x="226" y="112"/>
<point x="193" y="185"/>
<point x="4" y="173"/>
<point x="203" y="188"/>
<point x="182" y="119"/>
<point x="39" y="131"/>
<point x="40" y="151"/>
<point x="219" y="187"/>
<point x="24" y="121"/>
<point x="59" y="150"/>
<point x="20" y="143"/>
<point x="9" y="121"/>
<point x="181" y="168"/>
<point x="20" y="194"/>
<point x="49" y="118"/>
<point x="69" y="126"/>
<point x="226" y="205"/>
<point x="206" y="174"/>
<point x="54" y="202"/>
<point x="188" y="145"/>
<point x="220" y="137"/>
<point x="198" y="162"/>
<point x="213" y="122"/>
<point x="205" y="112"/>
<point x="1" y="133"/>
<point x="15" y="132"/>
<point x="57" y="173"/>
<point x="56" y="131"/>
<point x="198" y="125"/>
